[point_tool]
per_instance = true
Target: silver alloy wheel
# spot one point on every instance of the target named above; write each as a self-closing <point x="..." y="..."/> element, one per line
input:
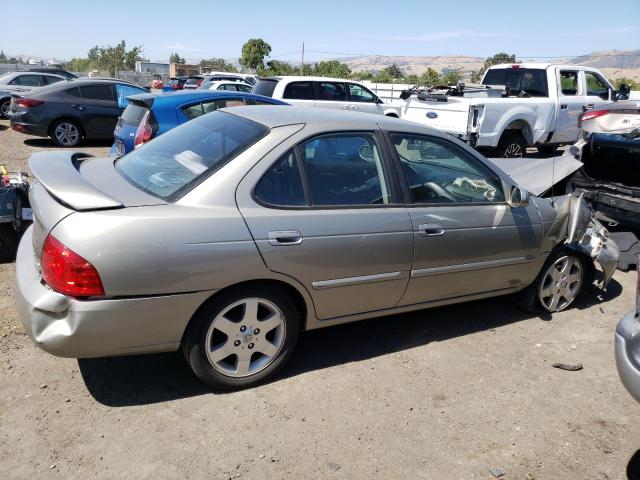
<point x="4" y="109"/>
<point x="513" y="151"/>
<point x="67" y="134"/>
<point x="561" y="283"/>
<point x="246" y="337"/>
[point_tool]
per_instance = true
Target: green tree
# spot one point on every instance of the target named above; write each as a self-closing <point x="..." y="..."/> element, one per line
<point x="254" y="51"/>
<point x="78" y="65"/>
<point x="430" y="77"/>
<point x="412" y="79"/>
<point x="632" y="83"/>
<point x="218" y="65"/>
<point x="495" y="60"/>
<point x="175" y="58"/>
<point x="392" y="71"/>
<point x="277" y="67"/>
<point x="115" y="58"/>
<point x="451" y="77"/>
<point x="362" y="75"/>
<point x="3" y="57"/>
<point x="14" y="60"/>
<point x="332" y="68"/>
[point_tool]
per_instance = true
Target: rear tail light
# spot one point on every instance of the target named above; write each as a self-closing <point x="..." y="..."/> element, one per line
<point x="591" y="114"/>
<point x="28" y="102"/>
<point x="144" y="133"/>
<point x="67" y="272"/>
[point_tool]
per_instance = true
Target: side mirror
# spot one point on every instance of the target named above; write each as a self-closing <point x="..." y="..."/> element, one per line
<point x="518" y="197"/>
<point x="623" y="92"/>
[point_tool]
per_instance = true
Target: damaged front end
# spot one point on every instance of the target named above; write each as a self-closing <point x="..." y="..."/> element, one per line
<point x="587" y="235"/>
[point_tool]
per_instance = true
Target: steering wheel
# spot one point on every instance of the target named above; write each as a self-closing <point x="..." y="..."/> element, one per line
<point x="440" y="191"/>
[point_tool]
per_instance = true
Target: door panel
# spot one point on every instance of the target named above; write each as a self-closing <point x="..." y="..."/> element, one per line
<point x="482" y="248"/>
<point x="350" y="251"/>
<point x="570" y="103"/>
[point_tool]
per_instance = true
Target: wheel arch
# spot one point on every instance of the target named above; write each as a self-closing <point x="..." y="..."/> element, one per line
<point x="301" y="301"/>
<point x="69" y="118"/>
<point x="519" y="125"/>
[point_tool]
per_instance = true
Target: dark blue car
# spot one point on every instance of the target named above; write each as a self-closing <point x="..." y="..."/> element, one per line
<point x="149" y="115"/>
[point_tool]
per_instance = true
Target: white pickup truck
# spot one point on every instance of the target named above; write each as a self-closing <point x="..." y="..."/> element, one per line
<point x="516" y="106"/>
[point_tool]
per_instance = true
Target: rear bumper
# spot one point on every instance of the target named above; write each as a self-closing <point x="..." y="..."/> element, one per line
<point x="20" y="123"/>
<point x="628" y="353"/>
<point x="68" y="327"/>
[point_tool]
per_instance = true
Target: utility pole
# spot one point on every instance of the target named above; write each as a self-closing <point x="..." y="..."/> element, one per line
<point x="302" y="62"/>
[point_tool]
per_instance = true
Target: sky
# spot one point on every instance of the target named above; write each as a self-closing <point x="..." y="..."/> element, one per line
<point x="329" y="29"/>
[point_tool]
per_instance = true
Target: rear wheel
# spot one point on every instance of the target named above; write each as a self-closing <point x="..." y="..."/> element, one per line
<point x="242" y="338"/>
<point x="4" y="108"/>
<point x="512" y="145"/>
<point x="66" y="133"/>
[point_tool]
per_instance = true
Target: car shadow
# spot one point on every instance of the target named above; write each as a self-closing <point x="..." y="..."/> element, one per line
<point x="147" y="379"/>
<point x="47" y="142"/>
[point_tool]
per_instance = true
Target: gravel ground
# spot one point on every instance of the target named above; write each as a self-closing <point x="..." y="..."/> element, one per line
<point x="456" y="392"/>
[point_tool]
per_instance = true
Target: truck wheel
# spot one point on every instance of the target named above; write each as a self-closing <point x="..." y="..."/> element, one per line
<point x="512" y="145"/>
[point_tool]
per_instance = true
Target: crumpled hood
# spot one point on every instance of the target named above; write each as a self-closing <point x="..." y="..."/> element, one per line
<point x="538" y="175"/>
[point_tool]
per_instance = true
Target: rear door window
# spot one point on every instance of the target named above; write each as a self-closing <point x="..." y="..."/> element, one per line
<point x="299" y="91"/>
<point x="569" y="83"/>
<point x="97" y="92"/>
<point x="282" y="185"/>
<point x="182" y="157"/>
<point x="332" y="91"/>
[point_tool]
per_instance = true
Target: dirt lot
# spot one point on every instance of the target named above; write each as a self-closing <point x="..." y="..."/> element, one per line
<point x="446" y="393"/>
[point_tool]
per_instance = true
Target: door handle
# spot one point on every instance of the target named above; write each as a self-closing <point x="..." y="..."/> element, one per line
<point x="78" y="107"/>
<point x="589" y="106"/>
<point x="431" y="229"/>
<point x="564" y="106"/>
<point x="286" y="237"/>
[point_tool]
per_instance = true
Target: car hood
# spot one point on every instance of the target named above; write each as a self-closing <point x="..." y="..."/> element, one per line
<point x="538" y="175"/>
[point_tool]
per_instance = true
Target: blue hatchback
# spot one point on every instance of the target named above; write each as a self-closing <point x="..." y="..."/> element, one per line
<point x="148" y="115"/>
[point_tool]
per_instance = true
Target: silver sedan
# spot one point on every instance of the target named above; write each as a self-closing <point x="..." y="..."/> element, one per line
<point x="227" y="236"/>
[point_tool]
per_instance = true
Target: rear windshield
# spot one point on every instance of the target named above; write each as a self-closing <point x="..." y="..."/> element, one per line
<point x="176" y="161"/>
<point x="265" y="87"/>
<point x="531" y="81"/>
<point x="133" y="114"/>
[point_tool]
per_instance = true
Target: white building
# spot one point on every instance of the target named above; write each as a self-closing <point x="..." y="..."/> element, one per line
<point x="152" y="67"/>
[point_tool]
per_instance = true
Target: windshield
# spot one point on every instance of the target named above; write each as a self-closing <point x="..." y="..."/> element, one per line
<point x="174" y="162"/>
<point x="530" y="81"/>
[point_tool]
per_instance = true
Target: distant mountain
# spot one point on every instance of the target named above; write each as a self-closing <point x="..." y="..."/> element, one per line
<point x="616" y="63"/>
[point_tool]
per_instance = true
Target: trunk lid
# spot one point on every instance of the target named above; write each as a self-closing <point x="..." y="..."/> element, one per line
<point x="67" y="183"/>
<point x="451" y="116"/>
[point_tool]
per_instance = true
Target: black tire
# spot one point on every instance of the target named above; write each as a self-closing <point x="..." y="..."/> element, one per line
<point x="194" y="342"/>
<point x="9" y="240"/>
<point x="547" y="149"/>
<point x="529" y="298"/>
<point x="512" y="144"/>
<point x="4" y="108"/>
<point x="74" y="140"/>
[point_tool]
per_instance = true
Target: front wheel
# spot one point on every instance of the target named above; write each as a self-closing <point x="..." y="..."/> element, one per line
<point x="242" y="338"/>
<point x="564" y="275"/>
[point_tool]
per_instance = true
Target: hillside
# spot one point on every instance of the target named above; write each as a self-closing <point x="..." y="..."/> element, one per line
<point x="614" y="63"/>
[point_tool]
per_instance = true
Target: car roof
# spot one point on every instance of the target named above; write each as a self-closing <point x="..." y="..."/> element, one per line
<point x="296" y="78"/>
<point x="168" y="99"/>
<point x="33" y="72"/>
<point x="273" y="116"/>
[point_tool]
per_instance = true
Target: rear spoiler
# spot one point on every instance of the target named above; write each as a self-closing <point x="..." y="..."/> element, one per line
<point x="59" y="173"/>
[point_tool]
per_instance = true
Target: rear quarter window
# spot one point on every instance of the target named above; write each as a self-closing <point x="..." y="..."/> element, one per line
<point x="299" y="91"/>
